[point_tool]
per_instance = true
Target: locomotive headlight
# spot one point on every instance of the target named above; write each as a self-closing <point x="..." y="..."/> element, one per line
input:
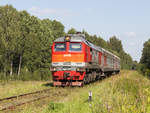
<point x="67" y="38"/>
<point x="80" y="69"/>
<point x="52" y="69"/>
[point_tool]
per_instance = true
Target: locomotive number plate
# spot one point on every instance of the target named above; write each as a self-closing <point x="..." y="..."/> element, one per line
<point x="67" y="55"/>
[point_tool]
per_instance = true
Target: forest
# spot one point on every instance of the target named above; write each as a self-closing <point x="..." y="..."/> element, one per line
<point x="25" y="45"/>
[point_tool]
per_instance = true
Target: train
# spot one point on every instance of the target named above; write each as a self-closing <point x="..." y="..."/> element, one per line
<point x="76" y="61"/>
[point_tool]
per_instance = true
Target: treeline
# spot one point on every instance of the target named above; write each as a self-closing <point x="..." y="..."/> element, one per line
<point x="145" y="59"/>
<point x="25" y="45"/>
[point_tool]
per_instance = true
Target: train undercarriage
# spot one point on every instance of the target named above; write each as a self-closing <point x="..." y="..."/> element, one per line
<point x="80" y="78"/>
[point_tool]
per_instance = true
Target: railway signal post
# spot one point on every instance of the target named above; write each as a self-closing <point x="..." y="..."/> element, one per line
<point x="90" y="96"/>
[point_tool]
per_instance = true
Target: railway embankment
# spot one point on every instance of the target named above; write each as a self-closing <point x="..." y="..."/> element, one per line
<point x="126" y="92"/>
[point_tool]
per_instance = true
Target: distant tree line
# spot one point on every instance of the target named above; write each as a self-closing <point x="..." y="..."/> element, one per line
<point x="25" y="45"/>
<point x="145" y="59"/>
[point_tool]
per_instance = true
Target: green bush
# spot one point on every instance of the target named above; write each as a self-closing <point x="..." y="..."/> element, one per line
<point x="147" y="73"/>
<point x="55" y="107"/>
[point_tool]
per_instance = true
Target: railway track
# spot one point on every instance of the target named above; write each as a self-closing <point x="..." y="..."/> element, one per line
<point x="14" y="101"/>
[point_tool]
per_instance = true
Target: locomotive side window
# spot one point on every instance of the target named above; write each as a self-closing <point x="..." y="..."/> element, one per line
<point x="60" y="46"/>
<point x="90" y="51"/>
<point x="75" y="47"/>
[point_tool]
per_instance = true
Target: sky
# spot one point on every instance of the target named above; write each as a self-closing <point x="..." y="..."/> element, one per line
<point x="128" y="20"/>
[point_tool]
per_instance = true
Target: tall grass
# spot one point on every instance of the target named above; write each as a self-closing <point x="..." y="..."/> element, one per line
<point x="128" y="92"/>
<point x="124" y="93"/>
<point x="28" y="76"/>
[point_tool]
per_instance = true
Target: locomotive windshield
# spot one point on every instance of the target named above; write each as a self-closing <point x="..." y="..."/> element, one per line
<point x="75" y="47"/>
<point x="60" y="46"/>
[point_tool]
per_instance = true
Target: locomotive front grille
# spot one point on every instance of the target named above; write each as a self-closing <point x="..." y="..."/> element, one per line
<point x="75" y="64"/>
<point x="55" y="77"/>
<point x="65" y="68"/>
<point x="67" y="63"/>
<point x="66" y="75"/>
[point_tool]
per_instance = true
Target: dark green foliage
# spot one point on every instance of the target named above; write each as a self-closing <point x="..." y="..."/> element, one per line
<point x="9" y="32"/>
<point x="57" y="29"/>
<point x="145" y="59"/>
<point x="115" y="44"/>
<point x="137" y="66"/>
<point x="71" y="31"/>
<point x="25" y="43"/>
<point x="55" y="107"/>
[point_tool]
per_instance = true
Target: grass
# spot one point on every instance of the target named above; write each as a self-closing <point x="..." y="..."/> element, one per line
<point x="12" y="88"/>
<point x="128" y="92"/>
<point x="124" y="93"/>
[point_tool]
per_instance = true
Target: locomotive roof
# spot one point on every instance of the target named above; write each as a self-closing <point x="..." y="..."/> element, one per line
<point x="81" y="38"/>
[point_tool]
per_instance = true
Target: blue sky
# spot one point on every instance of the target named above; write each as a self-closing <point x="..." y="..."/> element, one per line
<point x="129" y="20"/>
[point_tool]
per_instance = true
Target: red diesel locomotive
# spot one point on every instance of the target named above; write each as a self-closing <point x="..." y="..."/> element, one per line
<point x="76" y="61"/>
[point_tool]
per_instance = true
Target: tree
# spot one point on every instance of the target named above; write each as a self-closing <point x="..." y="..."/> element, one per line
<point x="9" y="27"/>
<point x="115" y="44"/>
<point x="57" y="29"/>
<point x="24" y="23"/>
<point x="1" y="54"/>
<point x="25" y="41"/>
<point x="145" y="59"/>
<point x="72" y="31"/>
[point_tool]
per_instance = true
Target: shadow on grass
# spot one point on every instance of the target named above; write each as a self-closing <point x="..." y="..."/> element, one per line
<point x="50" y="84"/>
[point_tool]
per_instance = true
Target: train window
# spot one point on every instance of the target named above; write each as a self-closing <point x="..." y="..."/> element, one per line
<point x="90" y="51"/>
<point x="75" y="46"/>
<point x="60" y="46"/>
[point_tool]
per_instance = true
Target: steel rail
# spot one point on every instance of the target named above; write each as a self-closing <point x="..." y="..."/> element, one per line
<point x="12" y="97"/>
<point x="13" y="105"/>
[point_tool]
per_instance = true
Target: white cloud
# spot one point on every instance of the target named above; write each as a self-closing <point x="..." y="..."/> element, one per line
<point x="40" y="12"/>
<point x="48" y="12"/>
<point x="130" y="34"/>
